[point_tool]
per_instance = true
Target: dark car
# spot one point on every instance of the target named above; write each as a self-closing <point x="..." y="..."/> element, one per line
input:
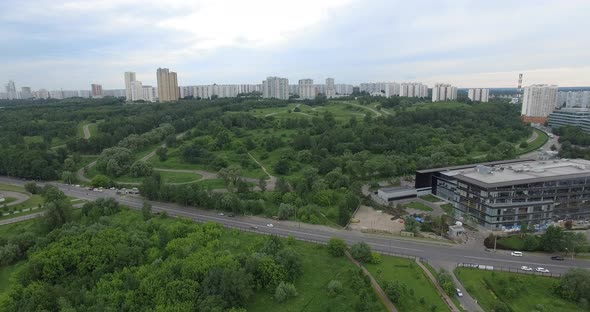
<point x="231" y="215"/>
<point x="560" y="258"/>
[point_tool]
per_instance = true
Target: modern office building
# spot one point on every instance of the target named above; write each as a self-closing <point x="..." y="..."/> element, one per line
<point x="167" y="85"/>
<point x="129" y="78"/>
<point x="413" y="89"/>
<point x="26" y="93"/>
<point x="306" y="89"/>
<point x="538" y="102"/>
<point x="506" y="194"/>
<point x="330" y="88"/>
<point x="569" y="99"/>
<point x="478" y="95"/>
<point x="443" y="92"/>
<point x="96" y="90"/>
<point x="578" y="117"/>
<point x="275" y="87"/>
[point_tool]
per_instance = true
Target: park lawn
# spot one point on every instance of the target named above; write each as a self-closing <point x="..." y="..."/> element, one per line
<point x="139" y="154"/>
<point x="7" y="200"/>
<point x="167" y="177"/>
<point x="93" y="129"/>
<point x="531" y="291"/>
<point x="266" y="112"/>
<point x="85" y="160"/>
<point x="416" y="205"/>
<point x="430" y="198"/>
<point x="212" y="184"/>
<point x="448" y="208"/>
<point x="319" y="268"/>
<point x="541" y="139"/>
<point x="409" y="273"/>
<point x="430" y="105"/>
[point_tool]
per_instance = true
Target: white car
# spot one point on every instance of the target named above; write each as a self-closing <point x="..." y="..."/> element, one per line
<point x="270" y="225"/>
<point x="516" y="254"/>
<point x="221" y="214"/>
<point x="542" y="270"/>
<point x="526" y="268"/>
<point x="459" y="293"/>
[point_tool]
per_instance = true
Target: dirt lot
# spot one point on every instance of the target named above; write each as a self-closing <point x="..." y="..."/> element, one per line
<point x="371" y="219"/>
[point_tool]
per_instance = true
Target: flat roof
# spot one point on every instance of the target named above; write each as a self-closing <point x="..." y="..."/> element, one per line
<point x="525" y="172"/>
<point x="395" y="189"/>
<point x="491" y="163"/>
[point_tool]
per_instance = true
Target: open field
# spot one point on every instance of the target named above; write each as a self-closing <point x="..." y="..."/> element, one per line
<point x="521" y="292"/>
<point x="411" y="275"/>
<point x="448" y="208"/>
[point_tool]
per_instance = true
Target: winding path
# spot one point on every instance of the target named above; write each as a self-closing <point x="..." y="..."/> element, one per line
<point x="86" y="131"/>
<point x="20" y="197"/>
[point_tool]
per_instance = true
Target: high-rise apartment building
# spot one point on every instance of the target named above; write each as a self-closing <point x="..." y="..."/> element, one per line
<point x="573" y="99"/>
<point x="11" y="90"/>
<point x="115" y="93"/>
<point x="129" y="78"/>
<point x="413" y="89"/>
<point x="149" y="94"/>
<point x="538" y="102"/>
<point x="136" y="91"/>
<point x="26" y="93"/>
<point x="306" y="89"/>
<point x="344" y="89"/>
<point x="443" y="92"/>
<point x="330" y="88"/>
<point x="96" y="90"/>
<point x="478" y="94"/>
<point x="167" y="85"/>
<point x="275" y="87"/>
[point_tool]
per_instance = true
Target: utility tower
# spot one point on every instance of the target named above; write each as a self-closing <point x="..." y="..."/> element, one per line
<point x="519" y="87"/>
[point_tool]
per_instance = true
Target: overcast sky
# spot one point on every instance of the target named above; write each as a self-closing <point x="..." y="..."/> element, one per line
<point x="70" y="44"/>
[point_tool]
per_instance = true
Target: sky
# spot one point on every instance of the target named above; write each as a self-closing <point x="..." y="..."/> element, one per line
<point x="57" y="44"/>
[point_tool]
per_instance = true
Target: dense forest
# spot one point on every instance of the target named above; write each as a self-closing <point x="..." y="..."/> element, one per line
<point x="575" y="142"/>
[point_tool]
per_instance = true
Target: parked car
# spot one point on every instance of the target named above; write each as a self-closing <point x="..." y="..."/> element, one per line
<point x="542" y="270"/>
<point x="221" y="214"/>
<point x="459" y="293"/>
<point x="559" y="258"/>
<point x="526" y="268"/>
<point x="516" y="254"/>
<point x="254" y="227"/>
<point x="231" y="215"/>
<point x="270" y="225"/>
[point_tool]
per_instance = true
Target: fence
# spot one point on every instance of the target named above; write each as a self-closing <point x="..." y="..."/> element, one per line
<point x="506" y="269"/>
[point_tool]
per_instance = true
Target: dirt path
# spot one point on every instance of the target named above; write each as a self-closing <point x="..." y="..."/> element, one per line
<point x="271" y="182"/>
<point x="86" y="131"/>
<point x="377" y="114"/>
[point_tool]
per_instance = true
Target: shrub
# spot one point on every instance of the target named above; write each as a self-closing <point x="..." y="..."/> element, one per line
<point x="375" y="258"/>
<point x="361" y="252"/>
<point x="336" y="247"/>
<point x="285" y="291"/>
<point x="334" y="288"/>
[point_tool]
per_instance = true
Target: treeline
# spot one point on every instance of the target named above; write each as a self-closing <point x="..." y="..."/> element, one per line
<point x="575" y="142"/>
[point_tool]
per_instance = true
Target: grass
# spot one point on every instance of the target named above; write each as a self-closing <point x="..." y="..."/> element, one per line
<point x="448" y="208"/>
<point x="541" y="139"/>
<point x="33" y="202"/>
<point x="419" y="206"/>
<point x="212" y="184"/>
<point x="430" y="198"/>
<point x="6" y="272"/>
<point x="168" y="177"/>
<point x="409" y="273"/>
<point x="429" y="105"/>
<point x="522" y="292"/>
<point x="319" y="268"/>
<point x="7" y="200"/>
<point x="513" y="242"/>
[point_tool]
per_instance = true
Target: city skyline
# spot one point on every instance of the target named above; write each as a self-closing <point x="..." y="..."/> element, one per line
<point x="476" y="45"/>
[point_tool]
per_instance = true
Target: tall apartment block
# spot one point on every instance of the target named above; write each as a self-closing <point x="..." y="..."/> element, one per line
<point x="96" y="90"/>
<point x="330" y="88"/>
<point x="443" y="92"/>
<point x="478" y="95"/>
<point x="129" y="78"/>
<point x="275" y="87"/>
<point x="538" y="102"/>
<point x="413" y="89"/>
<point x="306" y="89"/>
<point x="167" y="85"/>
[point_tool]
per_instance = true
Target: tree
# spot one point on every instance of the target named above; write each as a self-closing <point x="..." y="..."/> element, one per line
<point x="282" y="166"/>
<point x="146" y="210"/>
<point x="162" y="153"/>
<point x="69" y="177"/>
<point x="553" y="147"/>
<point x="552" y="240"/>
<point x="361" y="252"/>
<point x="141" y="169"/>
<point x="411" y="225"/>
<point x="57" y="213"/>
<point x="291" y="261"/>
<point x="272" y="245"/>
<point x="574" y="285"/>
<point x="100" y="181"/>
<point x="32" y="188"/>
<point x="286" y="211"/>
<point x="445" y="280"/>
<point x="334" y="288"/>
<point x="262" y="184"/>
<point x="336" y="247"/>
<point x="395" y="290"/>
<point x="285" y="291"/>
<point x="531" y="243"/>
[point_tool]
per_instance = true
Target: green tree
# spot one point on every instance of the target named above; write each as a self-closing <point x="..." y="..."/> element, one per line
<point x="334" y="288"/>
<point x="361" y="251"/>
<point x="411" y="225"/>
<point x="574" y="285"/>
<point x="57" y="213"/>
<point x="336" y="247"/>
<point x="32" y="188"/>
<point x="553" y="239"/>
<point x="100" y="181"/>
<point x="284" y="291"/>
<point x="146" y="210"/>
<point x="162" y="153"/>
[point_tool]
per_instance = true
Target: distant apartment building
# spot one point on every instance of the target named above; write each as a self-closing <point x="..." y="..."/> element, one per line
<point x="149" y="94"/>
<point x="478" y="95"/>
<point x="26" y="93"/>
<point x="3" y="96"/>
<point x="129" y="78"/>
<point x="275" y="87"/>
<point x="343" y="89"/>
<point x="330" y="88"/>
<point x="115" y="93"/>
<point x="220" y="91"/>
<point x="443" y="92"/>
<point x="413" y="89"/>
<point x="538" y="102"/>
<point x="96" y="90"/>
<point x="84" y="93"/>
<point x="386" y="89"/>
<point x="577" y="117"/>
<point x="11" y="90"/>
<point x="573" y="99"/>
<point x="137" y="91"/>
<point x="306" y="89"/>
<point x="167" y="85"/>
<point x="41" y="94"/>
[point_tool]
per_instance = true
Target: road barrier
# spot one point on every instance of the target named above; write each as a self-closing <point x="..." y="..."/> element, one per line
<point x="505" y="269"/>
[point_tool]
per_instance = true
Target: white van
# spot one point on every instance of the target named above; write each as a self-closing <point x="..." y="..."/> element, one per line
<point x="516" y="254"/>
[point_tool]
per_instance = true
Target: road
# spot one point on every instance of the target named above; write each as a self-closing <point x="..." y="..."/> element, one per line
<point x="546" y="147"/>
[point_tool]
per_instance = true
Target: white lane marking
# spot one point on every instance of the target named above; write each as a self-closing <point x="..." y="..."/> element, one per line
<point x="522" y="262"/>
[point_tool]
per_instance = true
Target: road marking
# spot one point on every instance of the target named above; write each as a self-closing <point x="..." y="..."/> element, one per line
<point x="521" y="262"/>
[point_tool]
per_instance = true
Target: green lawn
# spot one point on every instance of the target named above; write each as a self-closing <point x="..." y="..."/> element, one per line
<point x="168" y="177"/>
<point x="39" y="139"/>
<point x="522" y="292"/>
<point x="212" y="184"/>
<point x="431" y="198"/>
<point x="319" y="268"/>
<point x="514" y="242"/>
<point x="429" y="105"/>
<point x="419" y="206"/>
<point x="409" y="273"/>
<point x="534" y="145"/>
<point x="5" y="274"/>
<point x="448" y="208"/>
<point x="8" y="200"/>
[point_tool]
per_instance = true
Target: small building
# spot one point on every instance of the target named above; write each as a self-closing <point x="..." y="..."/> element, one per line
<point x="456" y="232"/>
<point x="389" y="194"/>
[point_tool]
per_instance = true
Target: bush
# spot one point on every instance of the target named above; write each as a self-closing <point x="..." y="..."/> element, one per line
<point x="375" y="258"/>
<point x="334" y="288"/>
<point x="361" y="252"/>
<point x="285" y="291"/>
<point x="336" y="247"/>
<point x="32" y="188"/>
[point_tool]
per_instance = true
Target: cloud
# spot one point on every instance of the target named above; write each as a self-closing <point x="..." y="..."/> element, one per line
<point x="69" y="44"/>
